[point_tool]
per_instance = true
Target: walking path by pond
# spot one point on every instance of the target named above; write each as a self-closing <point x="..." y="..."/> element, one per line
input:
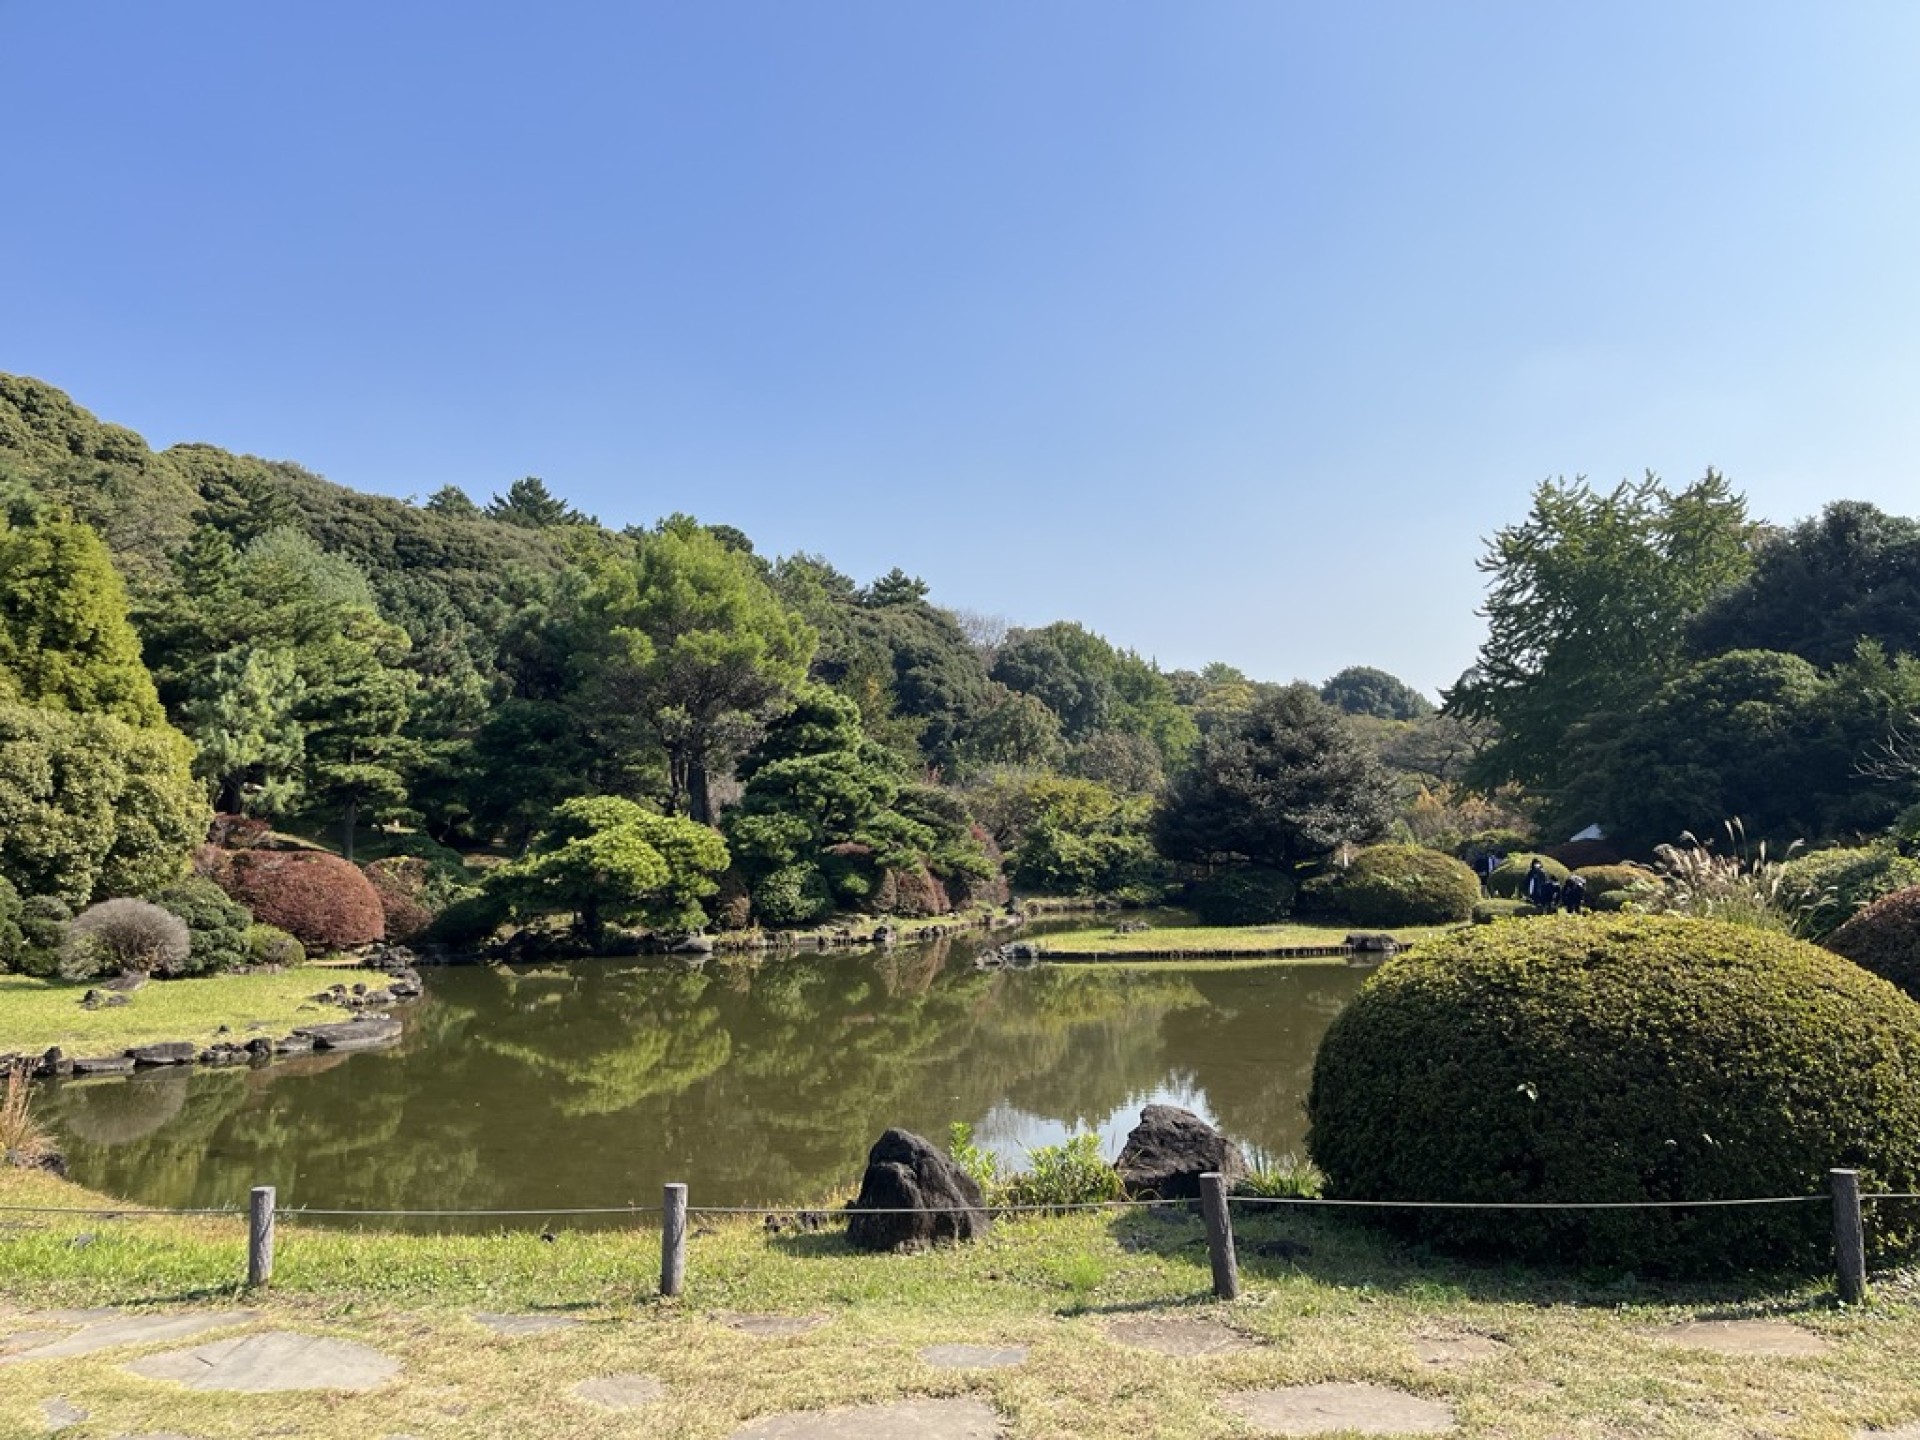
<point x="52" y="1356"/>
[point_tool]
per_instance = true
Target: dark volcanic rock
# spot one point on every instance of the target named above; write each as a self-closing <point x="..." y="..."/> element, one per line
<point x="906" y="1173"/>
<point x="361" y="1034"/>
<point x="1170" y="1149"/>
<point x="167" y="1052"/>
<point x="103" y="1065"/>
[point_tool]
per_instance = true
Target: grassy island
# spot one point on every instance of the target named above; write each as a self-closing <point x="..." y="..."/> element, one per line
<point x="36" y="1014"/>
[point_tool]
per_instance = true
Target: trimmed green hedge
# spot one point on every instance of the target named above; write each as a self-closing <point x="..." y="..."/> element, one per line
<point x="1509" y="881"/>
<point x="1624" y="1058"/>
<point x="1407" y="885"/>
<point x="1616" y="880"/>
<point x="1885" y="939"/>
<point x="1824" y="889"/>
<point x="1246" y="896"/>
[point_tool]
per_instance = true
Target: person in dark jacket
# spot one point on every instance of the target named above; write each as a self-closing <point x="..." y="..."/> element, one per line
<point x="1538" y="884"/>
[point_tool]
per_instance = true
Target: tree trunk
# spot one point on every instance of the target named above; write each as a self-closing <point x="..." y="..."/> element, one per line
<point x="347" y="824"/>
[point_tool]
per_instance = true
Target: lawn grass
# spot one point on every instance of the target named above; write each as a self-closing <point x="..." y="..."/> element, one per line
<point x="1575" y="1357"/>
<point x="1105" y="941"/>
<point x="36" y="1014"/>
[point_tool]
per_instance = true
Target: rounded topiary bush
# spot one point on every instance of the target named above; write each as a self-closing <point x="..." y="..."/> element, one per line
<point x="1509" y="881"/>
<point x="324" y="902"/>
<point x="1408" y="885"/>
<point x="1885" y="939"/>
<point x="403" y="884"/>
<point x="1823" y="889"/>
<point x="1611" y="886"/>
<point x="1485" y="912"/>
<point x="216" y="926"/>
<point x="1624" y="1058"/>
<point x="1250" y="895"/>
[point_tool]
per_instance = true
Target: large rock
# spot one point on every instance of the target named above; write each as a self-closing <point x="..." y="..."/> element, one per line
<point x="361" y="1034"/>
<point x="1170" y="1149"/>
<point x="932" y="1198"/>
<point x="167" y="1052"/>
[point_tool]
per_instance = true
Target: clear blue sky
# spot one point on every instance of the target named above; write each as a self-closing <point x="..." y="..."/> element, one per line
<point x="1227" y="329"/>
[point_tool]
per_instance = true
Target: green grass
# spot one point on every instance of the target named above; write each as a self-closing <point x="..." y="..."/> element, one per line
<point x="36" y="1014"/>
<point x="1576" y="1357"/>
<point x="1105" y="941"/>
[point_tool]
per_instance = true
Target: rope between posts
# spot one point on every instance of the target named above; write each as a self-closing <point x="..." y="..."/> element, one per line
<point x="119" y="1214"/>
<point x="598" y="1210"/>
<point x="1529" y="1204"/>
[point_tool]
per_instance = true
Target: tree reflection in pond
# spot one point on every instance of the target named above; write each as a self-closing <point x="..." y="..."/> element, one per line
<point x="753" y="1081"/>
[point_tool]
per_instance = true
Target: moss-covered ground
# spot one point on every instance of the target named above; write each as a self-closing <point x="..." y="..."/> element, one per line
<point x="1572" y="1356"/>
<point x="1107" y="941"/>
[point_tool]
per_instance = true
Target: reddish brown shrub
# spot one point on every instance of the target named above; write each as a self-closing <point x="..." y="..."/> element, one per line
<point x="1578" y="854"/>
<point x="321" y="900"/>
<point x="1885" y="938"/>
<point x="915" y="892"/>
<point x="732" y="908"/>
<point x="976" y="890"/>
<point x="237" y="832"/>
<point x="400" y="881"/>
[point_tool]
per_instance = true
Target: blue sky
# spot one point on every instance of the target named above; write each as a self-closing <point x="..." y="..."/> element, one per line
<point x="1229" y="330"/>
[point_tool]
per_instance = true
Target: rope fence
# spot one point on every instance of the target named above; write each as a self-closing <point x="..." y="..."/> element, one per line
<point x="262" y="1212"/>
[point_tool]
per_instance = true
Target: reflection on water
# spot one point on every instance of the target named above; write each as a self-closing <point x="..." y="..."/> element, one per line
<point x="757" y="1081"/>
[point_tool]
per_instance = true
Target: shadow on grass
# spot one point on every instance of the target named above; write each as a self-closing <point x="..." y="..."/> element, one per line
<point x="1275" y="1244"/>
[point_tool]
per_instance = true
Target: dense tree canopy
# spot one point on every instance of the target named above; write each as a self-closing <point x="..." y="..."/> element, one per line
<point x="1587" y="608"/>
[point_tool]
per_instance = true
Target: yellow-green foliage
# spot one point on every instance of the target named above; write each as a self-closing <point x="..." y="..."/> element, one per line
<point x="1509" y="881"/>
<point x="35" y="1014"/>
<point x="1624" y="1058"/>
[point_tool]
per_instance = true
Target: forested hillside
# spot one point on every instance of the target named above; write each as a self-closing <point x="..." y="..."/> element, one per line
<point x="664" y="727"/>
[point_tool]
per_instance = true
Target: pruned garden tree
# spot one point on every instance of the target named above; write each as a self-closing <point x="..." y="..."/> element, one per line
<point x="1281" y="786"/>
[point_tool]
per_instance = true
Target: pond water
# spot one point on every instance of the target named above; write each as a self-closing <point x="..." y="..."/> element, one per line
<point x="758" y="1081"/>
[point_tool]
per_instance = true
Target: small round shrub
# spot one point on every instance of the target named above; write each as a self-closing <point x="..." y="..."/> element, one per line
<point x="402" y="883"/>
<point x="216" y="926"/>
<point x="1625" y="881"/>
<point x="468" y="923"/>
<point x="270" y="945"/>
<point x="1885" y="939"/>
<point x="792" y="895"/>
<point x="1408" y="885"/>
<point x="1485" y="912"/>
<point x="43" y="928"/>
<point x="122" y="935"/>
<point x="1248" y="895"/>
<point x="13" y="943"/>
<point x="1624" y="1058"/>
<point x="1823" y="889"/>
<point x="324" y="902"/>
<point x="1509" y="882"/>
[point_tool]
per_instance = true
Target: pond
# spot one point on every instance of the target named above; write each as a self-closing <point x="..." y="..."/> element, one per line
<point x="755" y="1081"/>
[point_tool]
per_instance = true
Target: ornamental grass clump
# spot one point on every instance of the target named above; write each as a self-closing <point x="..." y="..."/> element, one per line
<point x="1734" y="886"/>
<point x="1608" y="1058"/>
<point x="23" y="1140"/>
<point x="118" y="936"/>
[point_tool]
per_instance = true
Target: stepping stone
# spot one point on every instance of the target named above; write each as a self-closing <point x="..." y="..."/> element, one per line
<point x="515" y="1326"/>
<point x="973" y="1357"/>
<point x="905" y="1420"/>
<point x="621" y="1392"/>
<point x="362" y="1034"/>
<point x="155" y="1435"/>
<point x="72" y="1317"/>
<point x="770" y="1327"/>
<point x="1771" y="1338"/>
<point x="1324" y="1409"/>
<point x="275" y="1360"/>
<point x="130" y="1330"/>
<point x="27" y="1340"/>
<point x="1456" y="1349"/>
<point x="60" y="1415"/>
<point x="1182" y="1339"/>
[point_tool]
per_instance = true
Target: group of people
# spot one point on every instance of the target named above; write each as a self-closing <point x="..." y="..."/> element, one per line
<point x="1543" y="892"/>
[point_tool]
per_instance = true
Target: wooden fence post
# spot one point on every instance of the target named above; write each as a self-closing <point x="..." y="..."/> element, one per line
<point x="1213" y="1208"/>
<point x="673" y="1240"/>
<point x="260" y="1237"/>
<point x="1849" y="1236"/>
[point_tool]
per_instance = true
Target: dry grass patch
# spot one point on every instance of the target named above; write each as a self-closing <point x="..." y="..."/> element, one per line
<point x="1575" y="1357"/>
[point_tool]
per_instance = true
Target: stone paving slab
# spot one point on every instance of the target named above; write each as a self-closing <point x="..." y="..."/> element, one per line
<point x="275" y="1360"/>
<point x="1181" y="1338"/>
<point x="61" y="1414"/>
<point x="127" y="1329"/>
<point x="906" y="1420"/>
<point x="28" y="1340"/>
<point x="621" y="1392"/>
<point x="72" y="1317"/>
<point x="974" y="1357"/>
<point x="769" y="1327"/>
<point x="1354" y="1409"/>
<point x="1771" y="1338"/>
<point x="515" y="1326"/>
